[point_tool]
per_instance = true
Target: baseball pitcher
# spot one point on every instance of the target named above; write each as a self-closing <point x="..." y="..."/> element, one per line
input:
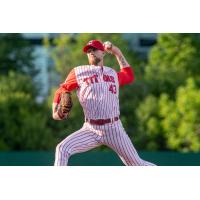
<point x="97" y="89"/>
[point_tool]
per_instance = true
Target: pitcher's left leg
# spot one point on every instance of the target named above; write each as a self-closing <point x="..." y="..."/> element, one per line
<point x="118" y="140"/>
<point x="133" y="157"/>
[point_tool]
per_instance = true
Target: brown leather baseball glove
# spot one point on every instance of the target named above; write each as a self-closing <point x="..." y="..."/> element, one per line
<point x="65" y="105"/>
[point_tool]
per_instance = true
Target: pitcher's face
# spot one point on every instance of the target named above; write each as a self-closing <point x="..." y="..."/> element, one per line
<point x="95" y="56"/>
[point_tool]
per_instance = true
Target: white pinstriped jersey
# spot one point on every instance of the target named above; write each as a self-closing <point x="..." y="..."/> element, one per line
<point x="98" y="91"/>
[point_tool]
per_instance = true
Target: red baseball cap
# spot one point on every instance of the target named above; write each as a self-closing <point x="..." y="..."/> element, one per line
<point x="93" y="43"/>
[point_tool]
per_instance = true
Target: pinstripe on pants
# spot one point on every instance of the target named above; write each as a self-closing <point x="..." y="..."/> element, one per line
<point x="90" y="136"/>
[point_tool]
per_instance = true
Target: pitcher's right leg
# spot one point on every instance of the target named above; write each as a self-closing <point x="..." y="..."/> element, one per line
<point x="79" y="141"/>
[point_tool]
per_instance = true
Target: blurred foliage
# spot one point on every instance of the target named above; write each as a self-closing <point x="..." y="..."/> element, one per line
<point x="149" y="135"/>
<point x="181" y="123"/>
<point x="23" y="122"/>
<point x="168" y="115"/>
<point x="16" y="54"/>
<point x="171" y="61"/>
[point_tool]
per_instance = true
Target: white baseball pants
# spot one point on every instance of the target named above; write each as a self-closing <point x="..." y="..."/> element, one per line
<point x="90" y="136"/>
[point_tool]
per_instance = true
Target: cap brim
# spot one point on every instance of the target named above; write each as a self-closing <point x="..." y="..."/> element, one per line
<point x="87" y="47"/>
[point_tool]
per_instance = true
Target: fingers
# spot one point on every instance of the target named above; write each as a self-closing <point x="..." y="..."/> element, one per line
<point x="108" y="46"/>
<point x="66" y="109"/>
<point x="111" y="49"/>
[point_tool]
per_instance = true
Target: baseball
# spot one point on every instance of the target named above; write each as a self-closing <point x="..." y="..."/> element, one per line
<point x="107" y="46"/>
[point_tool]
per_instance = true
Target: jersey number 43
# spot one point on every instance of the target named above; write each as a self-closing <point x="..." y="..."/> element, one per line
<point x="113" y="89"/>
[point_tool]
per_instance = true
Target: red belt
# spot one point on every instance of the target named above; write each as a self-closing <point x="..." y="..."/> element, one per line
<point x="101" y="121"/>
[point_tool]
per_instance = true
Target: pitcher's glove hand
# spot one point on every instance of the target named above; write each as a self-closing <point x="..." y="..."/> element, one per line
<point x="65" y="105"/>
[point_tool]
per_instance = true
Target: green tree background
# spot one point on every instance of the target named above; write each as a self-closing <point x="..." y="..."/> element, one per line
<point x="172" y="77"/>
<point x="16" y="54"/>
<point x="159" y="110"/>
<point x="23" y="122"/>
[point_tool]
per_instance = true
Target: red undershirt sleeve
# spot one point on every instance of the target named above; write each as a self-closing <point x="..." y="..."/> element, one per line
<point x="69" y="85"/>
<point x="125" y="76"/>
